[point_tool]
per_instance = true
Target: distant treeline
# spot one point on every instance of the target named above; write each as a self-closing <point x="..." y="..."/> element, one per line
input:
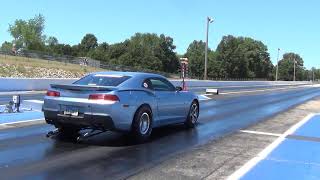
<point x="235" y="57"/>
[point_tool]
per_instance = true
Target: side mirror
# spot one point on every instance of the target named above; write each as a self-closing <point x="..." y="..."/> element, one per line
<point x="178" y="88"/>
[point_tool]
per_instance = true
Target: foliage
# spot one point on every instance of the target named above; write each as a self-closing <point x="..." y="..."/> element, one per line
<point x="195" y="55"/>
<point x="243" y="57"/>
<point x="235" y="57"/>
<point x="28" y="34"/>
<point x="286" y="67"/>
<point x="88" y="43"/>
<point x="6" y="46"/>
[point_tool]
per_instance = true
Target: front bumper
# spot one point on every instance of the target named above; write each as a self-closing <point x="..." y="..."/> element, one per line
<point x="94" y="121"/>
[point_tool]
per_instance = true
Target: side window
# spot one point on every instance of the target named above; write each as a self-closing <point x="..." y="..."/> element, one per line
<point x="147" y="84"/>
<point x="159" y="84"/>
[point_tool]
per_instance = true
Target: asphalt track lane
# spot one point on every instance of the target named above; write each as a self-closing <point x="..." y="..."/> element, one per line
<point x="28" y="153"/>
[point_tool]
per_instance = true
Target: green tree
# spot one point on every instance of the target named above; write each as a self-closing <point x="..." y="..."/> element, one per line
<point x="242" y="57"/>
<point x="28" y="34"/>
<point x="286" y="67"/>
<point x="6" y="46"/>
<point x="101" y="52"/>
<point x="116" y="51"/>
<point x="165" y="52"/>
<point x="231" y="57"/>
<point x="195" y="55"/>
<point x="146" y="51"/>
<point x="214" y="67"/>
<point x="52" y="41"/>
<point x="88" y="43"/>
<point x="141" y="52"/>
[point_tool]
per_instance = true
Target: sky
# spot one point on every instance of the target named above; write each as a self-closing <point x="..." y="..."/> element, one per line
<point x="291" y="25"/>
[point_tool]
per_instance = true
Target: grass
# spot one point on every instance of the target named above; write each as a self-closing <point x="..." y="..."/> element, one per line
<point x="22" y="62"/>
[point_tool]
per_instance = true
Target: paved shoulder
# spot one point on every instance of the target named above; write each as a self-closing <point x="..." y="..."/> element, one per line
<point x="220" y="158"/>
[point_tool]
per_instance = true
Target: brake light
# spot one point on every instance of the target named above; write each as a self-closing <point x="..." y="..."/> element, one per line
<point x="107" y="97"/>
<point x="53" y="93"/>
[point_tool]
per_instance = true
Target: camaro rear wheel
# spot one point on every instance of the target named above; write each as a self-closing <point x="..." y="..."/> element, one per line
<point x="142" y="124"/>
<point x="193" y="115"/>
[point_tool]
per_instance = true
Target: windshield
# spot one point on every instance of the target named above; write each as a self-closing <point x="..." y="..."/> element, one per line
<point x="102" y="80"/>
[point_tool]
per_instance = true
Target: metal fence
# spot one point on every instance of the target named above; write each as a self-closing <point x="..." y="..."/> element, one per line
<point x="84" y="61"/>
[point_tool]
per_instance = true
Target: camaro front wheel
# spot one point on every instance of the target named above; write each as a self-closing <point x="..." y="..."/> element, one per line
<point x="142" y="124"/>
<point x="193" y="115"/>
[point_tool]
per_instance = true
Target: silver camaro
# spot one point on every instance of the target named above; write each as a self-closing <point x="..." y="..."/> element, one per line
<point x="119" y="101"/>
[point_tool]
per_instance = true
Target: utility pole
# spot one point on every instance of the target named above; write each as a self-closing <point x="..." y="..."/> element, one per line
<point x="277" y="65"/>
<point x="209" y="20"/>
<point x="312" y="75"/>
<point x="294" y="69"/>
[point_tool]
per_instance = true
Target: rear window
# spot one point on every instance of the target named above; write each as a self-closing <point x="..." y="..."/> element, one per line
<point x="102" y="80"/>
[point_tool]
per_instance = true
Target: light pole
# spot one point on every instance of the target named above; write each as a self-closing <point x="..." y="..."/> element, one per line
<point x="277" y="65"/>
<point x="209" y="20"/>
<point x="294" y="69"/>
<point x="312" y="75"/>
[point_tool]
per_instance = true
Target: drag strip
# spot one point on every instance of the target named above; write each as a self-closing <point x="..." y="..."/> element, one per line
<point x="28" y="154"/>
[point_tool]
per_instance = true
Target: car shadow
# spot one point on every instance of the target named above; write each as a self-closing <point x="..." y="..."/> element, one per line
<point x="115" y="139"/>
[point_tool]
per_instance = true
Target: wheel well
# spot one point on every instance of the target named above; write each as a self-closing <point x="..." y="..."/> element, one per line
<point x="147" y="105"/>
<point x="142" y="105"/>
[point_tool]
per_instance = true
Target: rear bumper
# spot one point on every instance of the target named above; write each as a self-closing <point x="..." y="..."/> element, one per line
<point x="95" y="121"/>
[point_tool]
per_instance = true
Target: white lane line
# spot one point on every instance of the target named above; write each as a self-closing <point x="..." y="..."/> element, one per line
<point x="19" y="122"/>
<point x="261" y="133"/>
<point x="203" y="97"/>
<point x="274" y="85"/>
<point x="238" y="92"/>
<point x="21" y="92"/>
<point x="34" y="101"/>
<point x="265" y="152"/>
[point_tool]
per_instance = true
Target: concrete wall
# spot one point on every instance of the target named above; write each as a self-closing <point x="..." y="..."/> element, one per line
<point x="28" y="84"/>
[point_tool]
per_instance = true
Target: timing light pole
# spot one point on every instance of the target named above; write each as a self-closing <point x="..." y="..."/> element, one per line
<point x="277" y="65"/>
<point x="209" y="20"/>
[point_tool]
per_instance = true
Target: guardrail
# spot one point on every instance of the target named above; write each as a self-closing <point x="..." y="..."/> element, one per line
<point x="36" y="84"/>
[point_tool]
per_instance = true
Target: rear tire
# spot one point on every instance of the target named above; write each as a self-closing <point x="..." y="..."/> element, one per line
<point x="142" y="124"/>
<point x="193" y="115"/>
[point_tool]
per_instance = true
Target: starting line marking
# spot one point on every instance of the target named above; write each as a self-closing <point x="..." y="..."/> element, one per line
<point x="265" y="152"/>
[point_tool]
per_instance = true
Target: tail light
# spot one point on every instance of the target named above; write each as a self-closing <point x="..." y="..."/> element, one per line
<point x="107" y="97"/>
<point x="53" y="93"/>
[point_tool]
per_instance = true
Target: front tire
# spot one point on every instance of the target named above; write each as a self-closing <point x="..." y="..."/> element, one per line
<point x="142" y="124"/>
<point x="193" y="115"/>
